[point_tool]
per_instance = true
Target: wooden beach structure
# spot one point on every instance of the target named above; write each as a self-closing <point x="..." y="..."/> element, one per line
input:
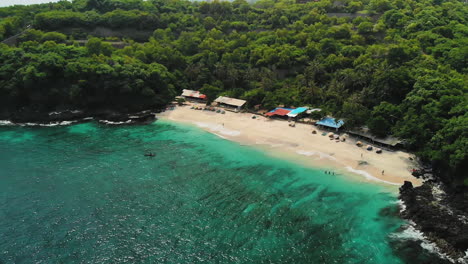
<point x="388" y="142"/>
<point x="230" y="103"/>
<point x="193" y="96"/>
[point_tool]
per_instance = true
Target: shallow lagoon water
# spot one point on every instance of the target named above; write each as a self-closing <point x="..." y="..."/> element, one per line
<point x="86" y="193"/>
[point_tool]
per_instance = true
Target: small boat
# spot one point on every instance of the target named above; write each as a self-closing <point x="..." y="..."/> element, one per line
<point x="150" y="154"/>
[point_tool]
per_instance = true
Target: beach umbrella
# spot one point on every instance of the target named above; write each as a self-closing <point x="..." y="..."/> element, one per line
<point x="369" y="147"/>
<point x="336" y="136"/>
<point x="378" y="151"/>
<point x="330" y="134"/>
<point x="359" y="143"/>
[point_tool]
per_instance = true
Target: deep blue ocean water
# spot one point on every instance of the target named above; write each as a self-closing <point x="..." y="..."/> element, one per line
<point x="87" y="194"/>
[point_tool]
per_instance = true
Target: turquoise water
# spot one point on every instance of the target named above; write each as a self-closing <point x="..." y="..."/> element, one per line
<point x="87" y="194"/>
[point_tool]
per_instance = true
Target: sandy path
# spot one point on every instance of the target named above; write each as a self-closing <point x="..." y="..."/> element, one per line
<point x="299" y="144"/>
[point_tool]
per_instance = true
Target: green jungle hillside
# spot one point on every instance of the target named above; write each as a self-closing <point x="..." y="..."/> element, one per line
<point x="396" y="66"/>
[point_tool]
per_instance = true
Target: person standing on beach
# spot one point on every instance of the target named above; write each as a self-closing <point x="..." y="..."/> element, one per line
<point x="383" y="171"/>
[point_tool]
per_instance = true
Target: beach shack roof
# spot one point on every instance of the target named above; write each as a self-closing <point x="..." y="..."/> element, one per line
<point x="279" y="111"/>
<point x="230" y="101"/>
<point x="192" y="93"/>
<point x="330" y="122"/>
<point x="297" y="111"/>
<point x="364" y="132"/>
<point x="310" y="111"/>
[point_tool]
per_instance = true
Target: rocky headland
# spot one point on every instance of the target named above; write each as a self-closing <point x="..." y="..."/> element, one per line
<point x="441" y="214"/>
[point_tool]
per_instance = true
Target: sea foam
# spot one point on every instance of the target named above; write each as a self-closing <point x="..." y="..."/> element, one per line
<point x="107" y="122"/>
<point x="5" y="123"/>
<point x="412" y="233"/>
<point x="218" y="128"/>
<point x="368" y="175"/>
<point x="321" y="155"/>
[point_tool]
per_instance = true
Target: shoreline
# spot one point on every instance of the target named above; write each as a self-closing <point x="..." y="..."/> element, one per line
<point x="298" y="144"/>
<point x="270" y="138"/>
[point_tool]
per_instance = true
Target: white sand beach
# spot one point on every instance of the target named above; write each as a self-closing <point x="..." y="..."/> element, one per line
<point x="299" y="144"/>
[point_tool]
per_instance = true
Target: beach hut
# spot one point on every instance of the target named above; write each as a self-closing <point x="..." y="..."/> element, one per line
<point x="279" y="111"/>
<point x="230" y="103"/>
<point x="191" y="95"/>
<point x="294" y="113"/>
<point x="388" y="141"/>
<point x="330" y="122"/>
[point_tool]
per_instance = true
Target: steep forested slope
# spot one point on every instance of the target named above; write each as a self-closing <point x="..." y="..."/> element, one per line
<point x="398" y="67"/>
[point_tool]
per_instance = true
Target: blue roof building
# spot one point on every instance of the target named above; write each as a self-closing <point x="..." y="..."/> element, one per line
<point x="330" y="122"/>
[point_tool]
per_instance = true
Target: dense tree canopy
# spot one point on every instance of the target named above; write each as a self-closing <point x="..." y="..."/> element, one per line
<point x="398" y="67"/>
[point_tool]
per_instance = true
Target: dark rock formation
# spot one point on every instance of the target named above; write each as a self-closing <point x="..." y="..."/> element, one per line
<point x="441" y="214"/>
<point x="102" y="116"/>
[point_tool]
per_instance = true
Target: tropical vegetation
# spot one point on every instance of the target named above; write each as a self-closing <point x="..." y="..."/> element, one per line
<point x="397" y="67"/>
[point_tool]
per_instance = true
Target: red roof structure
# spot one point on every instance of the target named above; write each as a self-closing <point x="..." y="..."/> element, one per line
<point x="279" y="111"/>
<point x="193" y="94"/>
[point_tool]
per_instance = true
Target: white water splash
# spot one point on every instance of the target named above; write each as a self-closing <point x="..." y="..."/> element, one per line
<point x="5" y="123"/>
<point x="321" y="155"/>
<point x="52" y="124"/>
<point x="218" y="128"/>
<point x="219" y="135"/>
<point x="369" y="176"/>
<point x="401" y="205"/>
<point x="464" y="260"/>
<point x="107" y="122"/>
<point x="412" y="233"/>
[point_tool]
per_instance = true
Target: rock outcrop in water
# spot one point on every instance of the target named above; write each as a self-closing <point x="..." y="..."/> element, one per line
<point x="442" y="215"/>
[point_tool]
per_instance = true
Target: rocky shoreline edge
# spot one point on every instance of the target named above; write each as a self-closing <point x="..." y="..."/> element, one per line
<point x="439" y="213"/>
<point x="107" y="117"/>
